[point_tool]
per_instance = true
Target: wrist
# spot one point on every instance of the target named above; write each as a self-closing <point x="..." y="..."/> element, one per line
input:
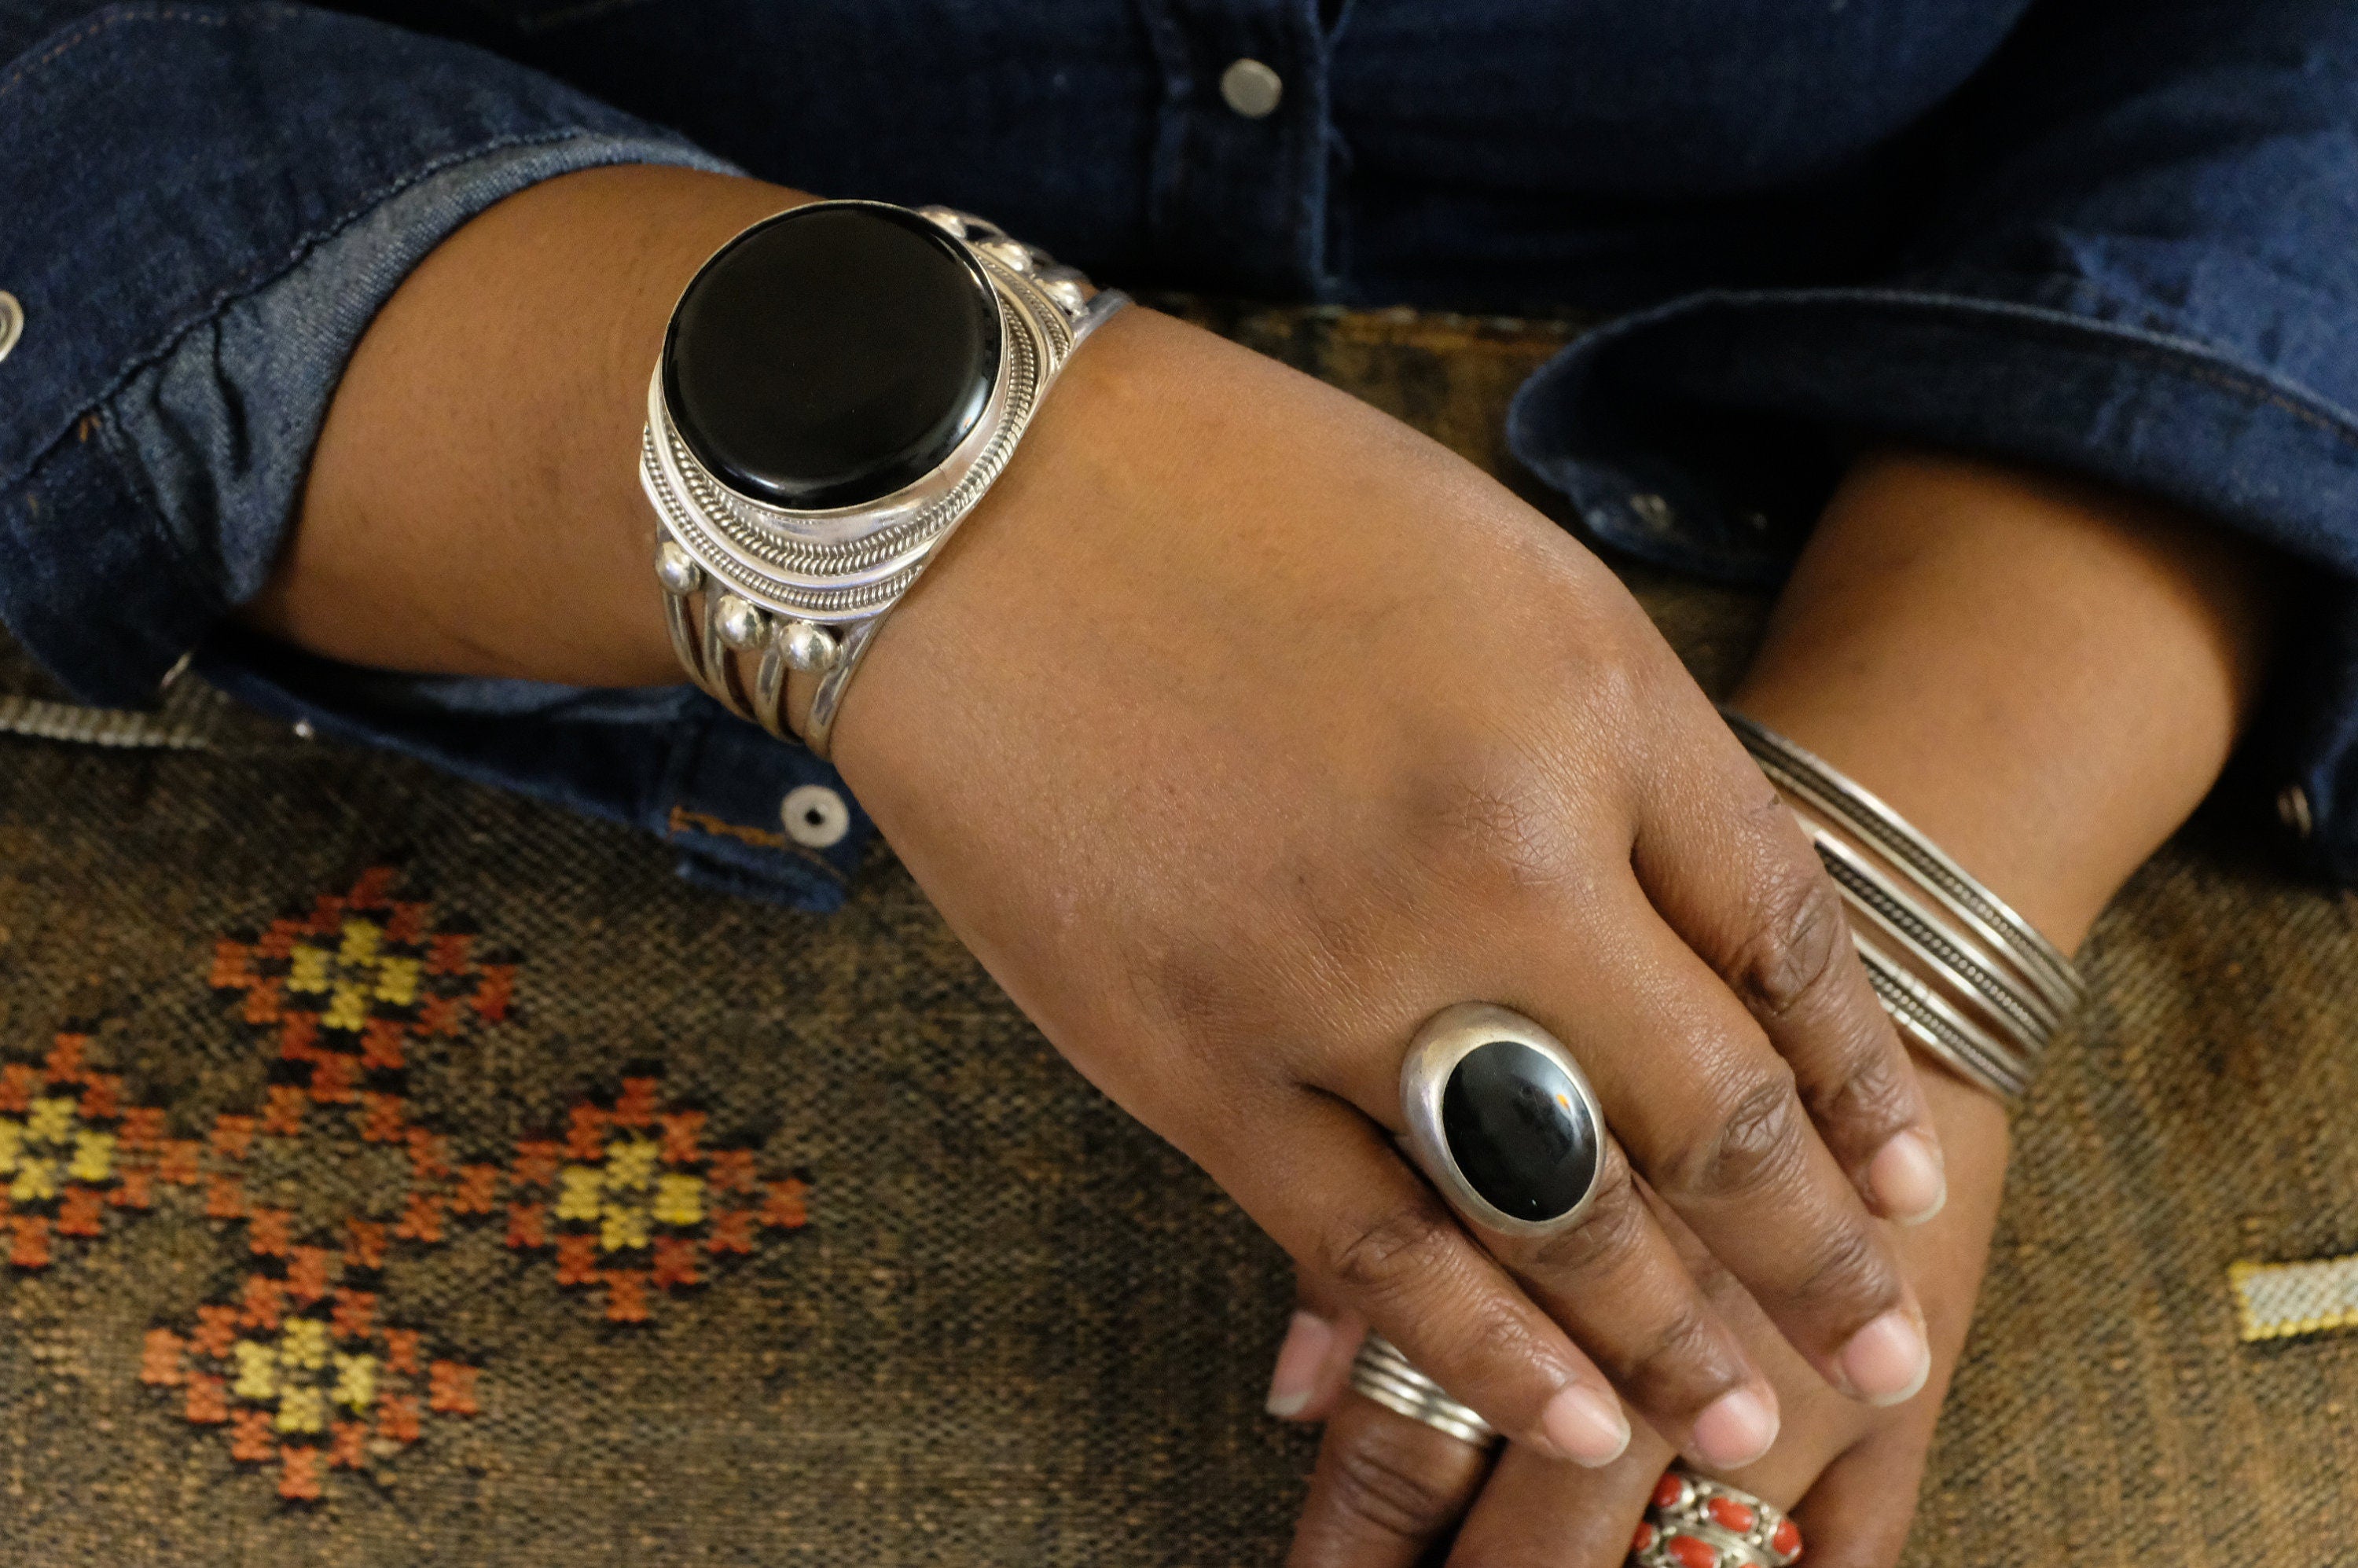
<point x="2044" y="676"/>
<point x="470" y="507"/>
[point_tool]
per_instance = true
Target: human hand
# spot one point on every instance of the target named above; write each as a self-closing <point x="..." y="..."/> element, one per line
<point x="1387" y="1488"/>
<point x="1241" y="729"/>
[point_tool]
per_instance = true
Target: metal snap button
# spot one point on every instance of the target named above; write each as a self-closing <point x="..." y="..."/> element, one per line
<point x="12" y="323"/>
<point x="815" y="816"/>
<point x="2292" y="810"/>
<point x="1251" y="89"/>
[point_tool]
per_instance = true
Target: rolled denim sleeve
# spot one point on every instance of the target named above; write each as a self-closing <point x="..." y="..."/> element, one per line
<point x="2137" y="260"/>
<point x="204" y="207"/>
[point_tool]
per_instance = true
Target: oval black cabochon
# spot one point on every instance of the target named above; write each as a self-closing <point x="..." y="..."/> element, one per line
<point x="1519" y="1130"/>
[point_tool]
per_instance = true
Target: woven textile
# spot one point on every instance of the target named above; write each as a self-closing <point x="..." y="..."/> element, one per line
<point x="401" y="1173"/>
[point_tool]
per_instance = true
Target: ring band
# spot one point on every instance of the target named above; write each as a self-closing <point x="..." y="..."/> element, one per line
<point x="1382" y="1373"/>
<point x="1502" y="1120"/>
<point x="1693" y="1521"/>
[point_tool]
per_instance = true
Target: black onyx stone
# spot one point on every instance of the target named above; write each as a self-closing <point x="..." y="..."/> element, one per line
<point x="1519" y="1130"/>
<point x="832" y="356"/>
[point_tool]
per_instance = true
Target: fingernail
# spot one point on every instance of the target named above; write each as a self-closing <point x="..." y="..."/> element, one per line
<point x="1908" y="1180"/>
<point x="1299" y="1361"/>
<point x="1587" y="1425"/>
<point x="1734" y="1430"/>
<point x="1888" y="1360"/>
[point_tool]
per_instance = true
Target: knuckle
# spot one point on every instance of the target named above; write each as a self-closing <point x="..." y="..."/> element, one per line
<point x="1189" y="985"/>
<point x="1682" y="1362"/>
<point x="1847" y="1270"/>
<point x="1757" y="1143"/>
<point x="1383" y="1260"/>
<point x="1383" y="1480"/>
<point x="1611" y="1230"/>
<point x="1497" y="821"/>
<point x="1794" y="946"/>
<point x="1870" y="1096"/>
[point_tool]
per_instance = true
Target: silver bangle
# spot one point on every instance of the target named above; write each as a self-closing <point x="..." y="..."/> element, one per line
<point x="1960" y="973"/>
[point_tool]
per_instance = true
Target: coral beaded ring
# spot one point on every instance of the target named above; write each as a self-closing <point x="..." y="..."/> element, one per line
<point x="1692" y="1521"/>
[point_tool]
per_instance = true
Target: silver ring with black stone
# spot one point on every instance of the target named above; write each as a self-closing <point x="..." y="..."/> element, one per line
<point x="1502" y="1121"/>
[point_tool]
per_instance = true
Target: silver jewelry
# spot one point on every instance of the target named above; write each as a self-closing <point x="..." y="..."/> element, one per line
<point x="807" y="589"/>
<point x="1502" y="1120"/>
<point x="1960" y="973"/>
<point x="1693" y="1521"/>
<point x="1382" y="1373"/>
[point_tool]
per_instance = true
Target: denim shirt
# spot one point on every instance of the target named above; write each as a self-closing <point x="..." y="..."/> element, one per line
<point x="2114" y="237"/>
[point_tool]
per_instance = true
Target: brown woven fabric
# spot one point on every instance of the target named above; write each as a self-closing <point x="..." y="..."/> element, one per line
<point x="949" y="1305"/>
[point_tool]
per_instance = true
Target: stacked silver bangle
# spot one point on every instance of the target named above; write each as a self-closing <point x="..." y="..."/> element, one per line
<point x="1960" y="974"/>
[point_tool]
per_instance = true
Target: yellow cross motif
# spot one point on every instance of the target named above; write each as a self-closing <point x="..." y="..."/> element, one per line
<point x="93" y="1157"/>
<point x="257" y="1372"/>
<point x="360" y="943"/>
<point x="579" y="1196"/>
<point x="301" y="1410"/>
<point x="629" y="1165"/>
<point x="397" y="981"/>
<point x="309" y="969"/>
<point x="355" y="1381"/>
<point x="679" y="1200"/>
<point x="304" y="1344"/>
<point x="51" y="1122"/>
<point x="36" y="1180"/>
<point x="623" y="1226"/>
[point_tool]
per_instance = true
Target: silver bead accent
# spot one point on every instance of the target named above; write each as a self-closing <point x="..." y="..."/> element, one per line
<point x="742" y="625"/>
<point x="12" y="323"/>
<point x="1067" y="293"/>
<point x="1015" y="255"/>
<point x="947" y="218"/>
<point x="808" y="648"/>
<point x="677" y="570"/>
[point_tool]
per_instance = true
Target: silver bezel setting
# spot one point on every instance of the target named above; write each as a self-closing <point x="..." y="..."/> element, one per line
<point x="1447" y="1038"/>
<point x="841" y="564"/>
<point x="807" y="590"/>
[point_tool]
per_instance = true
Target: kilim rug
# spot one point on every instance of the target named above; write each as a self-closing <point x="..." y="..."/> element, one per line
<point x="399" y="1173"/>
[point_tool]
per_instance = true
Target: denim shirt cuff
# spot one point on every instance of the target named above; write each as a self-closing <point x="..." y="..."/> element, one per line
<point x="1707" y="434"/>
<point x="181" y="353"/>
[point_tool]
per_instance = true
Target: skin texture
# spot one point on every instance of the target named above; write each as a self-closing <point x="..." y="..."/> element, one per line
<point x="2047" y="679"/>
<point x="1237" y="731"/>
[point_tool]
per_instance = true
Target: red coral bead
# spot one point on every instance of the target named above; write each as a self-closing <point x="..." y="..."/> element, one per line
<point x="1732" y="1515"/>
<point x="1692" y="1553"/>
<point x="1787" y="1537"/>
<point x="1643" y="1538"/>
<point x="1669" y="1490"/>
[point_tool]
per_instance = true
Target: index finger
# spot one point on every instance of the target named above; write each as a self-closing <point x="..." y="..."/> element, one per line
<point x="1335" y="1193"/>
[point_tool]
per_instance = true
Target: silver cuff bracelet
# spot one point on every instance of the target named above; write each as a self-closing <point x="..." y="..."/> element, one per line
<point x="908" y="348"/>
